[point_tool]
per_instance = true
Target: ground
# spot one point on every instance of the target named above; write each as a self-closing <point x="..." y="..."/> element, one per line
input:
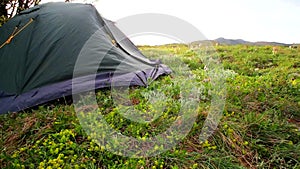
<point x="260" y="126"/>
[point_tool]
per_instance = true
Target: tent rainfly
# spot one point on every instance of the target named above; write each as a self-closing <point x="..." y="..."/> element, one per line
<point x="47" y="49"/>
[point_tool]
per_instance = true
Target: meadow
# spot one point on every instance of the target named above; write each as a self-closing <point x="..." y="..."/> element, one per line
<point x="259" y="127"/>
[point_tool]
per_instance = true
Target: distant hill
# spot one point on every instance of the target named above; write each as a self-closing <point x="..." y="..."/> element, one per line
<point x="271" y="43"/>
<point x="224" y="41"/>
<point x="232" y="41"/>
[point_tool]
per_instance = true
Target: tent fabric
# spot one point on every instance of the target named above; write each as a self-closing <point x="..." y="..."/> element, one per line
<point x="66" y="44"/>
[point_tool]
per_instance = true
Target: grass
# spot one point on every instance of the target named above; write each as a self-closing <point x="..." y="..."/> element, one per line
<point x="260" y="127"/>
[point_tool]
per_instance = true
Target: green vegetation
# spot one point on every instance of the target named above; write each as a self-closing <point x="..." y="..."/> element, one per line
<point x="259" y="129"/>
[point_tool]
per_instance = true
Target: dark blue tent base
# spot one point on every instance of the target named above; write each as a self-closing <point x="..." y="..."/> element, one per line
<point x="44" y="94"/>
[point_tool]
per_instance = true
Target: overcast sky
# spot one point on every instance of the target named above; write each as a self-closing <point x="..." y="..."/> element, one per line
<point x="252" y="20"/>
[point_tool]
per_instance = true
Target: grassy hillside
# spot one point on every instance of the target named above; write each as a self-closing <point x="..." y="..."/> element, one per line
<point x="260" y="127"/>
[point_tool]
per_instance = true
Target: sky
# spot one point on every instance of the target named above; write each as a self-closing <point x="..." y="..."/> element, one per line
<point x="251" y="20"/>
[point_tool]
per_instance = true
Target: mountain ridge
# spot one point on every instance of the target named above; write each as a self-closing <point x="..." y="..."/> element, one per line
<point x="225" y="41"/>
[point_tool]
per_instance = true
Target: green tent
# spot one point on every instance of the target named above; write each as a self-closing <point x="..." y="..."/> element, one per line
<point x="47" y="49"/>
